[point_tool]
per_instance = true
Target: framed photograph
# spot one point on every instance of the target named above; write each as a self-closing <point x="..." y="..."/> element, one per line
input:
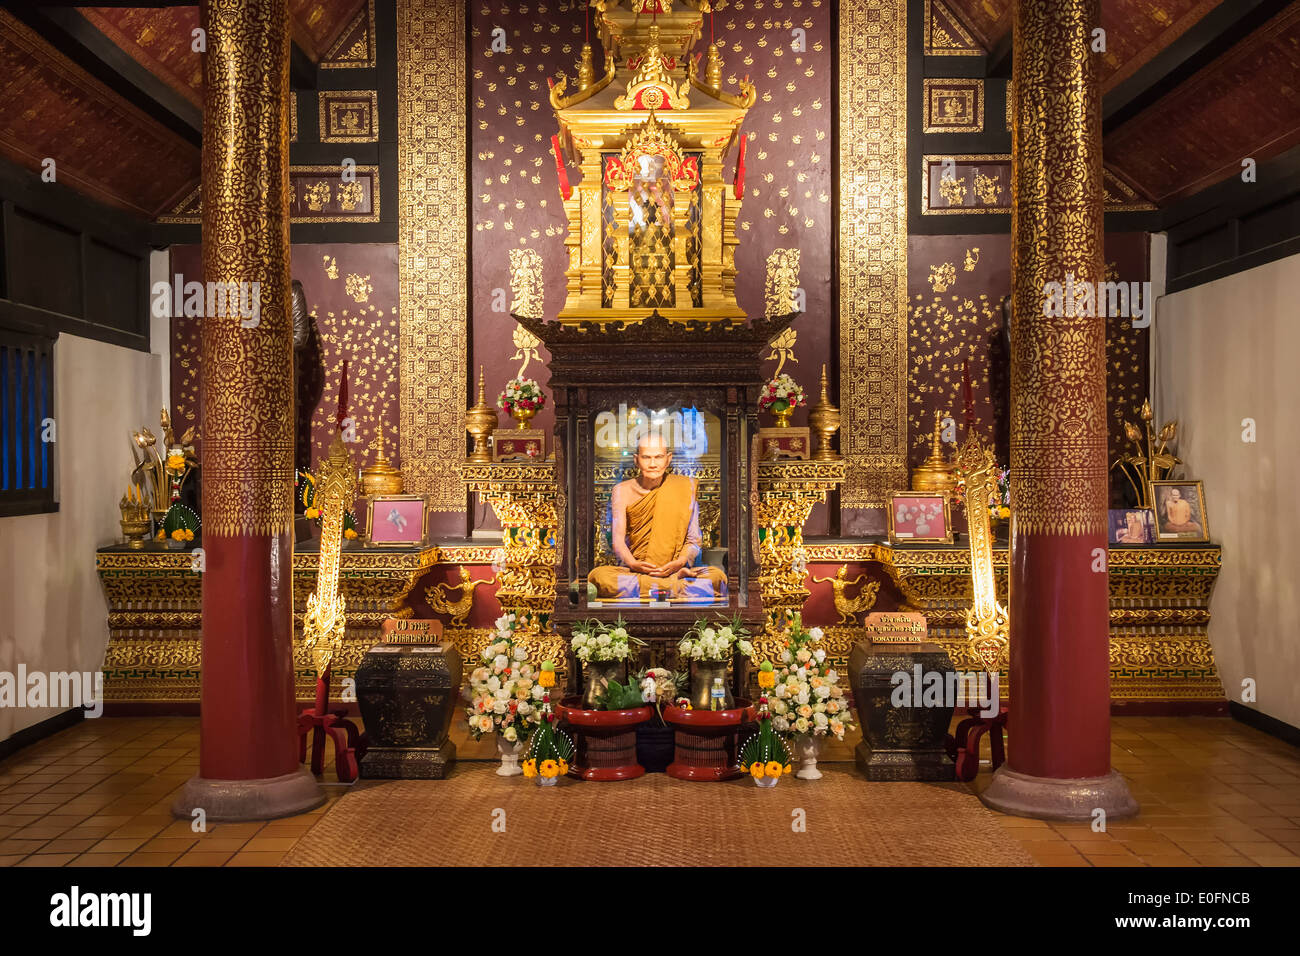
<point x="1131" y="526"/>
<point x="919" y="516"/>
<point x="396" y="521"/>
<point x="1180" y="511"/>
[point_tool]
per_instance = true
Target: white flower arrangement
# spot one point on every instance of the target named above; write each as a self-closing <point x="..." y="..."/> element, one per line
<point x="600" y="641"/>
<point x="503" y="691"/>
<point x="807" y="698"/>
<point x="707" y="641"/>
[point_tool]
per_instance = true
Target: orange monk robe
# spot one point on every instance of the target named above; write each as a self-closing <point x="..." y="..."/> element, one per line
<point x="659" y="525"/>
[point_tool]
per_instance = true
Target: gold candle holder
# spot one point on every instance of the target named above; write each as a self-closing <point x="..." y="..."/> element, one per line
<point x="481" y="422"/>
<point x="825" y="421"/>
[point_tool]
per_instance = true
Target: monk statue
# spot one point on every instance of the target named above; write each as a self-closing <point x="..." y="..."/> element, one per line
<point x="655" y="528"/>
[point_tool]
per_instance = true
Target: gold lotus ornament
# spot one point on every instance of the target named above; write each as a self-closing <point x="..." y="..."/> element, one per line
<point x="1154" y="462"/>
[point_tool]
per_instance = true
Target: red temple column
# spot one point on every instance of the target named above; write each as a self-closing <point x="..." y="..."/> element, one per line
<point x="1058" y="763"/>
<point x="248" y="760"/>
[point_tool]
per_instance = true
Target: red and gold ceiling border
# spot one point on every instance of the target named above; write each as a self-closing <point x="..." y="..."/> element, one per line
<point x="873" y="249"/>
<point x="431" y="138"/>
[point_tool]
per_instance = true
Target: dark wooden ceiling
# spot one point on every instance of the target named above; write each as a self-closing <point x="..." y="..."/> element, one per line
<point x="1192" y="87"/>
<point x="114" y="94"/>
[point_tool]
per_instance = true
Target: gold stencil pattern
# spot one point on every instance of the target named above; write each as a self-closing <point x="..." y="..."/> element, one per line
<point x="1058" y="366"/>
<point x="247" y="372"/>
<point x="873" y="248"/>
<point x="431" y="261"/>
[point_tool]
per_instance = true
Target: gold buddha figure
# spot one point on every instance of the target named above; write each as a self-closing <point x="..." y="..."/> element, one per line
<point x="655" y="531"/>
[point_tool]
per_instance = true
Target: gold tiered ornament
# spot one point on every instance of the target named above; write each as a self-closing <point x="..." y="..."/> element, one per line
<point x="323" y="623"/>
<point x="383" y="477"/>
<point x="936" y="473"/>
<point x="986" y="621"/>
<point x="481" y="422"/>
<point x="135" y="517"/>
<point x="652" y="222"/>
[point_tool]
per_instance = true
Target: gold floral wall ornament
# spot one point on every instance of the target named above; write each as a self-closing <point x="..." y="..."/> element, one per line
<point x="350" y="194"/>
<point x="972" y="259"/>
<point x="953" y="189"/>
<point x="526" y="283"/>
<point x="331" y="266"/>
<point x="782" y="287"/>
<point x="358" y="287"/>
<point x="783" y="349"/>
<point x="317" y="196"/>
<point x="988" y="188"/>
<point x="525" y="348"/>
<point x="942" y="276"/>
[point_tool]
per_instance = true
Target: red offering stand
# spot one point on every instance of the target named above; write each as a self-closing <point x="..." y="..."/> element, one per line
<point x="707" y="741"/>
<point x="605" y="740"/>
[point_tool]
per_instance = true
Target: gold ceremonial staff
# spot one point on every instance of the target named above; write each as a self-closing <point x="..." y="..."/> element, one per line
<point x="986" y="622"/>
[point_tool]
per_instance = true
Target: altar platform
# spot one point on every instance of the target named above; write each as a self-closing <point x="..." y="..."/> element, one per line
<point x="1160" y="653"/>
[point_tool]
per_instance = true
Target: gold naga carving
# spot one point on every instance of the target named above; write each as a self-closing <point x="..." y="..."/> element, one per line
<point x="458" y="609"/>
<point x="986" y="622"/>
<point x="324" y="621"/>
<point x="849" y="607"/>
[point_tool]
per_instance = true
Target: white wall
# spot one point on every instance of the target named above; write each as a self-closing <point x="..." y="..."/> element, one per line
<point x="1227" y="351"/>
<point x="52" y="611"/>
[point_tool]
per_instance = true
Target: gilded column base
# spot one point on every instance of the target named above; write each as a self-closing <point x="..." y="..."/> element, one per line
<point x="234" y="801"/>
<point x="1046" y="798"/>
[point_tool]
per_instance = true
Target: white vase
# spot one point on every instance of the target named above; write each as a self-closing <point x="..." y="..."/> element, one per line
<point x="808" y="747"/>
<point x="547" y="781"/>
<point x="765" y="782"/>
<point x="510" y="753"/>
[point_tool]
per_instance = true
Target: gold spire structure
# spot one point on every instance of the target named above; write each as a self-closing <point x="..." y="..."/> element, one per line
<point x="652" y="219"/>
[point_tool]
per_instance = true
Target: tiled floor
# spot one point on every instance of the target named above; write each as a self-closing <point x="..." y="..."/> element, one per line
<point x="1213" y="792"/>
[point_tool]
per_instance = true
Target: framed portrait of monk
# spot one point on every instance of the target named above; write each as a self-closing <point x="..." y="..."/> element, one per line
<point x="1180" y="511"/>
<point x="658" y="538"/>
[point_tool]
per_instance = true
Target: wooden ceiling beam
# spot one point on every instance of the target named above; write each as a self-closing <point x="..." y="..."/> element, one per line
<point x="1198" y="47"/>
<point x="76" y="38"/>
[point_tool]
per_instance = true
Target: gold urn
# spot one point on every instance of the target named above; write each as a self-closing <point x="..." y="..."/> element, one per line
<point x="383" y="477"/>
<point x="935" y="473"/>
<point x="824" y="419"/>
<point x="481" y="422"/>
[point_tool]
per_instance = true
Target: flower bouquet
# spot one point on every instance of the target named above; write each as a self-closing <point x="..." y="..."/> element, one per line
<point x="765" y="756"/>
<point x="710" y="646"/>
<point x="522" y="399"/>
<point x="180" y="525"/>
<point x="654" y="741"/>
<point x="782" y="395"/>
<point x="603" y="648"/>
<point x="551" y="750"/>
<point x="808" y="704"/>
<point x="504" y="695"/>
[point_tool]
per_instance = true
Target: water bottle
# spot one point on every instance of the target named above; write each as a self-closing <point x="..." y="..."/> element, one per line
<point x="717" y="694"/>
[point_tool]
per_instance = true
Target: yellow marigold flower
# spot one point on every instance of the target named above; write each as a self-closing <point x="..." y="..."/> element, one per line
<point x="1004" y="512"/>
<point x="756" y="769"/>
<point x="312" y="512"/>
<point x="178" y="534"/>
<point x="787" y="768"/>
<point x="175" y="462"/>
<point x="349" y="534"/>
<point x="530" y="768"/>
<point x="767" y="678"/>
<point x="773" y="768"/>
<point x="549" y="768"/>
<point x="546" y="678"/>
<point x="564" y="766"/>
